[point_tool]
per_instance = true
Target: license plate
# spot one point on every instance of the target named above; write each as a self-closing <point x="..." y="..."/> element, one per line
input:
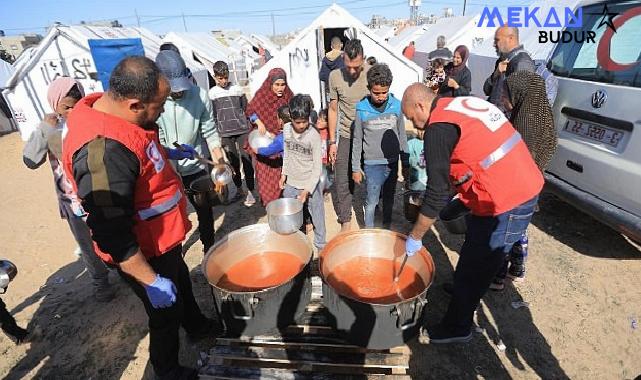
<point x="594" y="132"/>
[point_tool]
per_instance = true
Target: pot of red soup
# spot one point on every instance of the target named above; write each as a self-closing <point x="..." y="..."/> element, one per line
<point x="260" y="279"/>
<point x="373" y="310"/>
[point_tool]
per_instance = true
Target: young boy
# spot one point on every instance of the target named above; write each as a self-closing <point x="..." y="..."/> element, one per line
<point x="302" y="164"/>
<point x="229" y="114"/>
<point x="418" y="173"/>
<point x="379" y="139"/>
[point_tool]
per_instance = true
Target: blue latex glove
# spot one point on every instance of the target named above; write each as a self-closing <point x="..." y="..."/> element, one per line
<point x="177" y="154"/>
<point x="412" y="246"/>
<point x="161" y="292"/>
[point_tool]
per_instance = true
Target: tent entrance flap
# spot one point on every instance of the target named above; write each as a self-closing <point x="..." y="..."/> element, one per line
<point x="109" y="52"/>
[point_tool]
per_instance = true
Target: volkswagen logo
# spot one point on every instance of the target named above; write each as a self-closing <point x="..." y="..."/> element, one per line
<point x="599" y="98"/>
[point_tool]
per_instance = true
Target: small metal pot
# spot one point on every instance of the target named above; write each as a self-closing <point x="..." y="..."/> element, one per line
<point x="285" y="215"/>
<point x="204" y="193"/>
<point x="453" y="216"/>
<point x="222" y="174"/>
<point x="256" y="140"/>
<point x="412" y="201"/>
<point x="326" y="180"/>
<point x="8" y="272"/>
<point x="253" y="313"/>
<point x="367" y="324"/>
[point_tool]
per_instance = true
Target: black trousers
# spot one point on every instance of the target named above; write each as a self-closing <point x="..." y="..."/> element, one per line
<point x="7" y="322"/>
<point x="164" y="323"/>
<point x="205" y="214"/>
<point x="233" y="146"/>
<point x="343" y="187"/>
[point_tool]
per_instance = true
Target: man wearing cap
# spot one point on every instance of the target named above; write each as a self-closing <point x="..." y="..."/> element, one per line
<point x="188" y="119"/>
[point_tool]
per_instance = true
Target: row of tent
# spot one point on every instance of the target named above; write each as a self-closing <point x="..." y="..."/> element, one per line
<point x="65" y="51"/>
<point x="464" y="30"/>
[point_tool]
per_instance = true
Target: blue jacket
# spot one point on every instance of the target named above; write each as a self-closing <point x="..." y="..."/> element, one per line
<point x="379" y="136"/>
<point x="277" y="146"/>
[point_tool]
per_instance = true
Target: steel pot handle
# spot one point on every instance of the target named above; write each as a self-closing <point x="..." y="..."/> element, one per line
<point x="252" y="302"/>
<point x="398" y="312"/>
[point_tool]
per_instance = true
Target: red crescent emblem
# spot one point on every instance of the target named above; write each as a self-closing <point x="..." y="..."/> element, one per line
<point x="603" y="50"/>
<point x="464" y="103"/>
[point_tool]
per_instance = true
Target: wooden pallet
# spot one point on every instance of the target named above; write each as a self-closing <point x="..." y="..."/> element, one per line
<point x="307" y="350"/>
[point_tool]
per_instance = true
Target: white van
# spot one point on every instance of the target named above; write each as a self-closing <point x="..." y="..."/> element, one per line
<point x="597" y="166"/>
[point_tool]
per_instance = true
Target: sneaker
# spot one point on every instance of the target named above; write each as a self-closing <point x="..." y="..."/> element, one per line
<point x="249" y="199"/>
<point x="498" y="284"/>
<point x="103" y="291"/>
<point x="77" y="252"/>
<point x="516" y="272"/>
<point x="16" y="333"/>
<point x="442" y="335"/>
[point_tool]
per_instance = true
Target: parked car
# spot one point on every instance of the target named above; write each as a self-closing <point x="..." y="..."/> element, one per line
<point x="597" y="167"/>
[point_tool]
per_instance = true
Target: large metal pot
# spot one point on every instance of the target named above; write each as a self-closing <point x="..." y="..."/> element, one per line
<point x="375" y="324"/>
<point x="256" y="312"/>
<point x="203" y="191"/>
<point x="8" y="272"/>
<point x="285" y="215"/>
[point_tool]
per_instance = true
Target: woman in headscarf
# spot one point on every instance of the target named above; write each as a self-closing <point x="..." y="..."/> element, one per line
<point x="459" y="77"/>
<point x="531" y="116"/>
<point x="46" y="141"/>
<point x="262" y="111"/>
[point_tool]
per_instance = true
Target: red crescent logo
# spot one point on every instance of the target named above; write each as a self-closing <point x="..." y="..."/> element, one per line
<point x="464" y="103"/>
<point x="603" y="50"/>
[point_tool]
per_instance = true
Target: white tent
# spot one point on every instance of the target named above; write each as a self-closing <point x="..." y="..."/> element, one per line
<point x="207" y="49"/>
<point x="63" y="52"/>
<point x="301" y="58"/>
<point x="483" y="57"/>
<point x="385" y="31"/>
<point x="6" y="70"/>
<point x="458" y="30"/>
<point x="407" y="35"/>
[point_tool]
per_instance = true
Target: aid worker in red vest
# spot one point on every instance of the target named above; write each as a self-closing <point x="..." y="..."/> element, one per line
<point x="136" y="203"/>
<point x="472" y="148"/>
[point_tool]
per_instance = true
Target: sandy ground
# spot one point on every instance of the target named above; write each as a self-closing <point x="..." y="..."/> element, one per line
<point x="582" y="288"/>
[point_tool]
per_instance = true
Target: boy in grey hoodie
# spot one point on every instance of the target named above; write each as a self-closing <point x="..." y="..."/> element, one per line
<point x="302" y="164"/>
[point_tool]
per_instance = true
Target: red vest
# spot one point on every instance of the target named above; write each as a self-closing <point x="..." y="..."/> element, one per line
<point x="490" y="166"/>
<point x="161" y="221"/>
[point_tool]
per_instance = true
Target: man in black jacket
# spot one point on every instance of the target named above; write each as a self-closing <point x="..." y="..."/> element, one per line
<point x="512" y="57"/>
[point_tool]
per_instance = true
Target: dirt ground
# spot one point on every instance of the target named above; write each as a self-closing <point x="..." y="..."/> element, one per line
<point x="582" y="288"/>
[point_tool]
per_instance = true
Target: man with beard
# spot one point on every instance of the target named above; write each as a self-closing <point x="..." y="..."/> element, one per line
<point x="512" y="57"/>
<point x="347" y="87"/>
<point x="136" y="203"/>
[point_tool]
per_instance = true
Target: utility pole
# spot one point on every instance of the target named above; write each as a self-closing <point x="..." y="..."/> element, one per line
<point x="464" y="4"/>
<point x="273" y="25"/>
<point x="184" y="22"/>
<point x="137" y="17"/>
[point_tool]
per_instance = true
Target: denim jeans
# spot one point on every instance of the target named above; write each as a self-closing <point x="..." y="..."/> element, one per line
<point x="380" y="178"/>
<point x="316" y="207"/>
<point x="488" y="241"/>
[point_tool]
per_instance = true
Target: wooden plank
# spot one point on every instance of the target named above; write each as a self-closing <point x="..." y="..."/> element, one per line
<point x="335" y="347"/>
<point x="235" y="373"/>
<point x="370" y="359"/>
<point x="306" y="366"/>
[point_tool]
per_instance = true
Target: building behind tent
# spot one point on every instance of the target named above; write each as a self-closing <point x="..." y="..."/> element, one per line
<point x="302" y="57"/>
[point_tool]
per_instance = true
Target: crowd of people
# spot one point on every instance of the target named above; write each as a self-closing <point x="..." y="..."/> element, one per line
<point x="123" y="162"/>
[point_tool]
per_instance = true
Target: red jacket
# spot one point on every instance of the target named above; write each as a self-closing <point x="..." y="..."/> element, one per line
<point x="490" y="166"/>
<point x="161" y="221"/>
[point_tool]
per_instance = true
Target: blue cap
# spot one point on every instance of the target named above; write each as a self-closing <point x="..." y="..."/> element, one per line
<point x="173" y="67"/>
